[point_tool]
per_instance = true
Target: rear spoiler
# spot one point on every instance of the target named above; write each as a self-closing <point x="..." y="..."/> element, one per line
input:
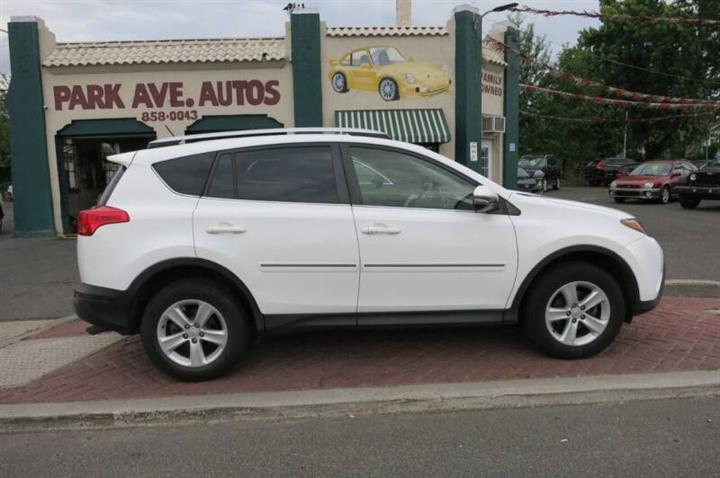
<point x="123" y="159"/>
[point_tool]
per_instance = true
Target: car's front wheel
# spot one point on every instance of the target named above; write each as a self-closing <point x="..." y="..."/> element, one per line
<point x="665" y="195"/>
<point x="388" y="89"/>
<point x="689" y="203"/>
<point x="574" y="310"/>
<point x="194" y="330"/>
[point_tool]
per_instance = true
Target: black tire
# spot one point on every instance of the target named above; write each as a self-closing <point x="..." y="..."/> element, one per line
<point x="689" y="203"/>
<point x="665" y="195"/>
<point x="543" y="289"/>
<point x="218" y="297"/>
<point x="388" y="89"/>
<point x="619" y="200"/>
<point x="341" y="85"/>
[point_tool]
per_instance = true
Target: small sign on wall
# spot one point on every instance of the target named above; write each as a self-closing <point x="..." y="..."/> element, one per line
<point x="473" y="151"/>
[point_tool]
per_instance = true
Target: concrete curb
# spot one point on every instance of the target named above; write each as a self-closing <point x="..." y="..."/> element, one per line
<point x="333" y="402"/>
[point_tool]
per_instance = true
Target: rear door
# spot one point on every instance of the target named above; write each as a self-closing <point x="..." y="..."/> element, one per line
<point x="279" y="218"/>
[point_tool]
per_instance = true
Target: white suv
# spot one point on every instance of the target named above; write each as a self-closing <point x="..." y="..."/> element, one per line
<point x="209" y="241"/>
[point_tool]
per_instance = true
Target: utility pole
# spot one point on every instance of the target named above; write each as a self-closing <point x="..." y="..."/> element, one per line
<point x="627" y="116"/>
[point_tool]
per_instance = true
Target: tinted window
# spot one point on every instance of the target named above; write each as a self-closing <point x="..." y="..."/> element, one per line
<point x="222" y="184"/>
<point x="185" y="175"/>
<point x="297" y="174"/>
<point x="403" y="180"/>
<point x="109" y="188"/>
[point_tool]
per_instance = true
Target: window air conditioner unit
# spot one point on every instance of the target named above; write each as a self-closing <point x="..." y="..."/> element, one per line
<point x="493" y="124"/>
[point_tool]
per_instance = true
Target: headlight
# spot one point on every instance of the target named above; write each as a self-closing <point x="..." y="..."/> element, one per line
<point x="613" y="184"/>
<point x="633" y="223"/>
<point x="648" y="185"/>
<point x="409" y="78"/>
<point x="539" y="174"/>
<point x="693" y="177"/>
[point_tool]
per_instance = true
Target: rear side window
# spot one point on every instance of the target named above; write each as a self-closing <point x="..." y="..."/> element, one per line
<point x="185" y="175"/>
<point x="111" y="186"/>
<point x="223" y="182"/>
<point x="297" y="174"/>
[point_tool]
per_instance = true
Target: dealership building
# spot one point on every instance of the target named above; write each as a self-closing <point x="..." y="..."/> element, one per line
<point x="446" y="87"/>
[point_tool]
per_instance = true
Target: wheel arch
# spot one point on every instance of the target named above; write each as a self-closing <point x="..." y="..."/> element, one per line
<point x="601" y="257"/>
<point x="155" y="277"/>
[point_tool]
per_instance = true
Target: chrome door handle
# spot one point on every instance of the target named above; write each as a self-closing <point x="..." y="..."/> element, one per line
<point x="371" y="230"/>
<point x="225" y="229"/>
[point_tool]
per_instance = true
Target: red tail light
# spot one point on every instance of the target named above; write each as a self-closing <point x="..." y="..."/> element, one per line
<point x="600" y="165"/>
<point x="90" y="220"/>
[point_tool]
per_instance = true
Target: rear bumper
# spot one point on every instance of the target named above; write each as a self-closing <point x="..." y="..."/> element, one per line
<point x="699" y="192"/>
<point x="108" y="308"/>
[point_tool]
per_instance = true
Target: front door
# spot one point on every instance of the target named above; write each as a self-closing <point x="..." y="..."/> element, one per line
<point x="422" y="245"/>
<point x="280" y="220"/>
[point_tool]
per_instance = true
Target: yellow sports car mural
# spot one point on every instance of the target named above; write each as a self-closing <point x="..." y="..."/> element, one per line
<point x="385" y="70"/>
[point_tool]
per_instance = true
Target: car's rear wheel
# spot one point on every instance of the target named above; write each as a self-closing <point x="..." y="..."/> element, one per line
<point x="388" y="89"/>
<point x="339" y="83"/>
<point x="689" y="203"/>
<point x="574" y="310"/>
<point x="194" y="330"/>
<point x="665" y="195"/>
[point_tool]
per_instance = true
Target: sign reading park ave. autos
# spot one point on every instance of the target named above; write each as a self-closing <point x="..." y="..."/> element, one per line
<point x="166" y="100"/>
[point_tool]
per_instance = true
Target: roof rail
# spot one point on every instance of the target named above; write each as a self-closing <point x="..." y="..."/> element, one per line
<point x="192" y="138"/>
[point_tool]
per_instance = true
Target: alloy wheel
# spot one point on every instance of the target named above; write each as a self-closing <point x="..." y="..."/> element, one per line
<point x="388" y="89"/>
<point x="665" y="198"/>
<point x="192" y="333"/>
<point x="338" y="83"/>
<point x="577" y="313"/>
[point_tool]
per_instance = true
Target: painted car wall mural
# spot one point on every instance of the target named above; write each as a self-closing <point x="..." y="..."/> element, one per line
<point x="387" y="72"/>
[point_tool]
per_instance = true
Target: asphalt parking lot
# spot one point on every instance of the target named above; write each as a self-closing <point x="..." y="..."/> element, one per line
<point x="37" y="276"/>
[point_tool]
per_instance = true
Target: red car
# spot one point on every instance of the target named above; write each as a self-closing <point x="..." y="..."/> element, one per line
<point x="652" y="181"/>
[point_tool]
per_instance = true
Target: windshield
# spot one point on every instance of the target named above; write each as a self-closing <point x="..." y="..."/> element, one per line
<point x="383" y="55"/>
<point x="522" y="173"/>
<point x="532" y="163"/>
<point x="711" y="164"/>
<point x="652" y="169"/>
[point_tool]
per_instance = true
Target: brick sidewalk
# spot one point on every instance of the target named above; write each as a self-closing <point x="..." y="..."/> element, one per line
<point x="682" y="334"/>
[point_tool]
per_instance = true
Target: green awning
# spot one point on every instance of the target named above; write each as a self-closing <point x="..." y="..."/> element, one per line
<point x="412" y="126"/>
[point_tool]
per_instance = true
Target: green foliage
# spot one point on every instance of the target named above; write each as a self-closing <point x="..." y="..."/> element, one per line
<point x="668" y="59"/>
<point x="4" y="139"/>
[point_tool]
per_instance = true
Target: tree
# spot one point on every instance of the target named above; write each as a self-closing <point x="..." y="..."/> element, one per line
<point x="4" y="139"/>
<point x="666" y="59"/>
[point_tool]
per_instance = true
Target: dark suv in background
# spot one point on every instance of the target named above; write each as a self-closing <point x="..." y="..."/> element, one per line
<point x="602" y="172"/>
<point x="545" y="168"/>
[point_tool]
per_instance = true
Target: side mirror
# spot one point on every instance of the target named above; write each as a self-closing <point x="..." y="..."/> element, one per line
<point x="484" y="199"/>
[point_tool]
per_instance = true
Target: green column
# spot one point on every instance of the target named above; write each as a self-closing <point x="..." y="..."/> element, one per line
<point x="512" y="109"/>
<point x="306" y="68"/>
<point x="468" y="86"/>
<point x="28" y="149"/>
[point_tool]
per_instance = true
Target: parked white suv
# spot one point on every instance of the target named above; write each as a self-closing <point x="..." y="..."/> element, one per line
<point x="202" y="246"/>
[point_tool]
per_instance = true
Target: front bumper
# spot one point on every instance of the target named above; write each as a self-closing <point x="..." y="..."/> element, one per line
<point x="699" y="192"/>
<point x="634" y="193"/>
<point x="107" y="308"/>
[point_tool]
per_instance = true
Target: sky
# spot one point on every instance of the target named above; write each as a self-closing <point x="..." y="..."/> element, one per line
<point x="102" y="20"/>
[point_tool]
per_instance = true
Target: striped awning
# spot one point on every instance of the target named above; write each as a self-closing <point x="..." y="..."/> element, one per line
<point x="412" y="126"/>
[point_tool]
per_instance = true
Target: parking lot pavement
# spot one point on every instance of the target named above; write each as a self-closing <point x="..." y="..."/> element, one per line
<point x="682" y="334"/>
<point x="690" y="238"/>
